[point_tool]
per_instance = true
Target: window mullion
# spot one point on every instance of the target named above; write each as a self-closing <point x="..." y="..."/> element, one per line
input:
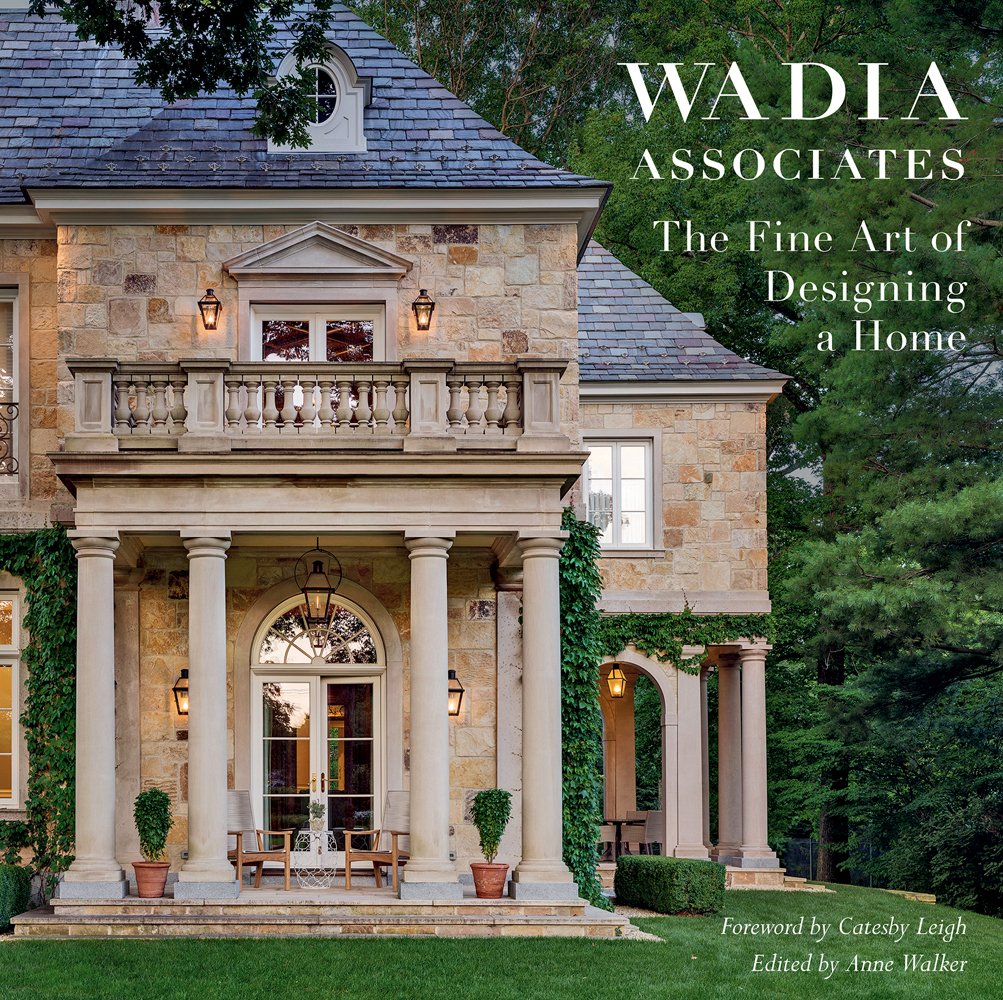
<point x="617" y="491"/>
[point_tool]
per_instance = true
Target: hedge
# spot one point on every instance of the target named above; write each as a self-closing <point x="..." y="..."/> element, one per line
<point x="669" y="885"/>
<point x="15" y="893"/>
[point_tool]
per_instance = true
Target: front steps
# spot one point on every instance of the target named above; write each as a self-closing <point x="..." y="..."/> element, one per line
<point x="270" y="913"/>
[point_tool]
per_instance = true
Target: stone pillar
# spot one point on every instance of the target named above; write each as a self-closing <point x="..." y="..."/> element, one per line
<point x="541" y="874"/>
<point x="705" y="757"/>
<point x="689" y="782"/>
<point x="755" y="849"/>
<point x="729" y="762"/>
<point x="127" y="741"/>
<point x="430" y="874"/>
<point x="207" y="874"/>
<point x="95" y="874"/>
<point x="509" y="711"/>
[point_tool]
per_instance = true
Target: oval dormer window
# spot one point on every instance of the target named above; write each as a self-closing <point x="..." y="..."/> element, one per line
<point x="325" y="90"/>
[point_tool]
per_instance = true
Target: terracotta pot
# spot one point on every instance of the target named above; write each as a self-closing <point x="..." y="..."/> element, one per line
<point x="489" y="880"/>
<point x="151" y="878"/>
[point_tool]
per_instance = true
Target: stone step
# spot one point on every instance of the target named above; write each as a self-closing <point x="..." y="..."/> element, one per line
<point x="46" y="923"/>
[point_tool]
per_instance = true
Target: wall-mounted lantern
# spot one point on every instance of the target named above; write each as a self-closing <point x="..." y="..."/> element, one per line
<point x="180" y="690"/>
<point x="423" y="307"/>
<point x="455" y="694"/>
<point x="210" y="307"/>
<point x="616" y="681"/>
<point x="318" y="575"/>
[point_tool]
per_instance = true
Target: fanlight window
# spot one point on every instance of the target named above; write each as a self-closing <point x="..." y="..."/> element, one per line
<point x="346" y="639"/>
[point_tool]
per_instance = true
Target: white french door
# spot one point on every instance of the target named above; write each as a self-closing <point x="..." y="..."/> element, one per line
<point x="318" y="741"/>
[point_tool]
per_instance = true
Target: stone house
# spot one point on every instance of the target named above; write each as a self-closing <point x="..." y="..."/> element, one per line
<point x="196" y="458"/>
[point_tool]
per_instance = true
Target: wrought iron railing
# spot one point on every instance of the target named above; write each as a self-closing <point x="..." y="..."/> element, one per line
<point x="8" y="429"/>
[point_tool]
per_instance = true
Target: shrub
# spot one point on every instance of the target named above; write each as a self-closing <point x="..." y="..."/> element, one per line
<point x="152" y="813"/>
<point x="15" y="893"/>
<point x="491" y="810"/>
<point x="669" y="885"/>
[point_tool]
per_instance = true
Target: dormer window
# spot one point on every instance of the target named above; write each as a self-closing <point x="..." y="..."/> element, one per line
<point x="341" y="100"/>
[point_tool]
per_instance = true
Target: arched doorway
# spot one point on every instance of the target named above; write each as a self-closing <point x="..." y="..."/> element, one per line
<point x="318" y="724"/>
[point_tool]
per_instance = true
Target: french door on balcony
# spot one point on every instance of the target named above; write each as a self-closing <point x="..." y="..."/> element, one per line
<point x="318" y="743"/>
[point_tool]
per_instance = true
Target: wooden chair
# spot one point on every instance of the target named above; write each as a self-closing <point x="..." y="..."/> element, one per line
<point x="384" y="847"/>
<point x="654" y="830"/>
<point x="607" y="841"/>
<point x="633" y="830"/>
<point x="250" y="842"/>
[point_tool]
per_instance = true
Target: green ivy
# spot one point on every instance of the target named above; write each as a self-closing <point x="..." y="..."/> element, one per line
<point x="581" y="719"/>
<point x="44" y="561"/>
<point x="663" y="636"/>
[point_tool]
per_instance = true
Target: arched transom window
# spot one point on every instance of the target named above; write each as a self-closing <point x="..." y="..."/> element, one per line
<point x="346" y="639"/>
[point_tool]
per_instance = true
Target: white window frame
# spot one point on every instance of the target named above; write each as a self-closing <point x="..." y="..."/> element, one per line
<point x="19" y="442"/>
<point x="616" y="442"/>
<point x="317" y="317"/>
<point x="11" y="656"/>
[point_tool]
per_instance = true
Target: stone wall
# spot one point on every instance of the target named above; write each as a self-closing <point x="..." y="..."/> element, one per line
<point x="163" y="624"/>
<point x="712" y="519"/>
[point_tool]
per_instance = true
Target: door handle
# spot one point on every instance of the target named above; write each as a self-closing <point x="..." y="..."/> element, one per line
<point x="313" y="782"/>
<point x="323" y="781"/>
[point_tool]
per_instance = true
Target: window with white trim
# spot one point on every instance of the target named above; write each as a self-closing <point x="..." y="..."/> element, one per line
<point x="619" y="494"/>
<point x="10" y="735"/>
<point x="346" y="333"/>
<point x="8" y="381"/>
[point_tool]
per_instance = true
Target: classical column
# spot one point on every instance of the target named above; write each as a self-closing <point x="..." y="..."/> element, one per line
<point x="206" y="874"/>
<point x="541" y="874"/>
<point x="127" y="737"/>
<point x="755" y="849"/>
<point x="95" y="874"/>
<point x="705" y="757"/>
<point x="690" y="774"/>
<point x="729" y="762"/>
<point x="430" y="874"/>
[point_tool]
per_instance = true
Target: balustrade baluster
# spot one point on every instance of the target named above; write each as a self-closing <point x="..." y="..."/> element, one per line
<point x="493" y="413"/>
<point x="364" y="411"/>
<point x="454" y="412"/>
<point x="512" y="418"/>
<point x="142" y="412"/>
<point x="381" y="412"/>
<point x="344" y="406"/>
<point x="233" y="411"/>
<point x="252" y="412"/>
<point x="269" y="414"/>
<point x="325" y="412"/>
<point x="400" y="403"/>
<point x="475" y="411"/>
<point x="123" y="413"/>
<point x="179" y="414"/>
<point x="288" y="404"/>
<point x="308" y="410"/>
<point x="159" y="413"/>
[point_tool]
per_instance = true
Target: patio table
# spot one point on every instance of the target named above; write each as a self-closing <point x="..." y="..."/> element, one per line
<point x="618" y="833"/>
<point x="317" y="843"/>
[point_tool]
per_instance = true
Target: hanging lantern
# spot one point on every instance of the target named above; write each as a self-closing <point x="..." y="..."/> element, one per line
<point x="423" y="307"/>
<point x="180" y="690"/>
<point x="616" y="681"/>
<point x="210" y="307"/>
<point x="455" y="694"/>
<point x="317" y="574"/>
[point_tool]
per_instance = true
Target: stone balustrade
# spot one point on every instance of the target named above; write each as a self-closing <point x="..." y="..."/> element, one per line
<point x="208" y="405"/>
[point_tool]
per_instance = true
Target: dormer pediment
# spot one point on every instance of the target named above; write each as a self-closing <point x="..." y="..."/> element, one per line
<point x="316" y="251"/>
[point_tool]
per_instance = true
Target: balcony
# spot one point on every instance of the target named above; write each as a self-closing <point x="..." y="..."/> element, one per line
<point x="219" y="406"/>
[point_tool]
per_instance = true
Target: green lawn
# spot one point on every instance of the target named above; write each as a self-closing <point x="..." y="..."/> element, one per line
<point x="695" y="960"/>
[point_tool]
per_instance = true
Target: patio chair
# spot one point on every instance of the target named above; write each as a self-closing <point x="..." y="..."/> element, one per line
<point x="654" y="830"/>
<point x="384" y="845"/>
<point x="607" y="840"/>
<point x="633" y="830"/>
<point x="250" y="847"/>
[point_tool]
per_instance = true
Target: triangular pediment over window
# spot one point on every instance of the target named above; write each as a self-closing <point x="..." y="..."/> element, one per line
<point x="318" y="250"/>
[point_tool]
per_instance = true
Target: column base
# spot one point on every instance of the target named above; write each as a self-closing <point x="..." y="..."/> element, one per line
<point x="430" y="890"/>
<point x="755" y="857"/>
<point x="695" y="852"/>
<point x="547" y="891"/>
<point x="93" y="889"/>
<point x="542" y="880"/>
<point x="206" y="890"/>
<point x="726" y="854"/>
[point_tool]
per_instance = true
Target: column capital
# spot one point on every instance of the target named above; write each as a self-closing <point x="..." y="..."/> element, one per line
<point x="205" y="545"/>
<point x="542" y="546"/>
<point x="88" y="544"/>
<point x="428" y="545"/>
<point x="753" y="650"/>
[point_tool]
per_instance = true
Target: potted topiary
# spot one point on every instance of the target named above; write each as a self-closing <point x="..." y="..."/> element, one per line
<point x="491" y="810"/>
<point x="152" y="813"/>
<point x="317" y="816"/>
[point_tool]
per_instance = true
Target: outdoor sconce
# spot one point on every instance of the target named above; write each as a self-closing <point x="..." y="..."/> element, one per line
<point x="616" y="681"/>
<point x="455" y="694"/>
<point x="180" y="690"/>
<point x="423" y="307"/>
<point x="317" y="574"/>
<point x="210" y="307"/>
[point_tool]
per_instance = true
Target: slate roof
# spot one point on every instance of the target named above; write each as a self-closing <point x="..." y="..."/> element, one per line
<point x="627" y="331"/>
<point x="71" y="116"/>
